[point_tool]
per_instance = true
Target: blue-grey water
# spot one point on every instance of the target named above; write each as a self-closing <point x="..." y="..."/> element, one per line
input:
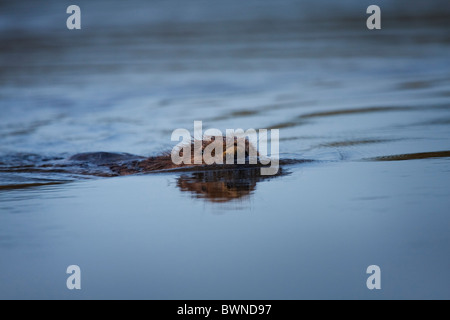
<point x="370" y="108"/>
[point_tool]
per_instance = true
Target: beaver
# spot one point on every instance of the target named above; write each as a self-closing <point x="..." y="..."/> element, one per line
<point x="121" y="164"/>
<point x="213" y="182"/>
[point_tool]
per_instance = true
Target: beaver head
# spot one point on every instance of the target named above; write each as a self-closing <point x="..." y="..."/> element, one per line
<point x="231" y="149"/>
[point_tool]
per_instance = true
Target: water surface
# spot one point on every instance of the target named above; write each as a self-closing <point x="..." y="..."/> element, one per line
<point x="370" y="109"/>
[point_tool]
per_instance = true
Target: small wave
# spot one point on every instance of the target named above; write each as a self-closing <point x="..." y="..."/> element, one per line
<point x="28" y="185"/>
<point x="347" y="143"/>
<point x="352" y="111"/>
<point x="412" y="156"/>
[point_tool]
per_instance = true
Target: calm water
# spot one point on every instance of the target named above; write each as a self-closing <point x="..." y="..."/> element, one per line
<point x="371" y="109"/>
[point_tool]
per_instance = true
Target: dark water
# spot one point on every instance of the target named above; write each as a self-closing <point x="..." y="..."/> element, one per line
<point x="371" y="109"/>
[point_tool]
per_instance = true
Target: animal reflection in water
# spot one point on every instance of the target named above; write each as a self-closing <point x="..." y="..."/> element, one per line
<point x="223" y="185"/>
